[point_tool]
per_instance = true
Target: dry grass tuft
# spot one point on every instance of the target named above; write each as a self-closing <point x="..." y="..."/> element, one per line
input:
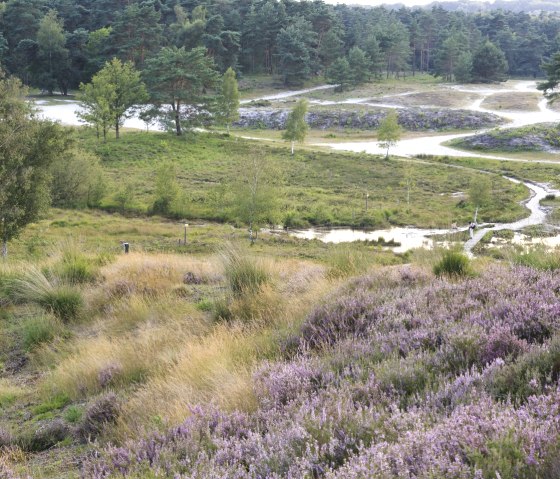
<point x="152" y="275"/>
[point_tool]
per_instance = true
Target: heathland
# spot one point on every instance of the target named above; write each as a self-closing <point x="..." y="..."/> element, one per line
<point x="287" y="357"/>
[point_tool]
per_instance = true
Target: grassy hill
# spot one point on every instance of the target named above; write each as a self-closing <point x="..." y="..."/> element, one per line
<point x="310" y="188"/>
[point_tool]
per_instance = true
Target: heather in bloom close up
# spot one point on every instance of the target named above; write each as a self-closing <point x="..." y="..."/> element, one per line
<point x="401" y="376"/>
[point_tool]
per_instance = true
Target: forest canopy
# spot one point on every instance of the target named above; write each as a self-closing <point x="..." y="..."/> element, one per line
<point x="58" y="44"/>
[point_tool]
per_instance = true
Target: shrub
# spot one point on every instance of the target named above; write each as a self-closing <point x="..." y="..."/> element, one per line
<point x="243" y="273"/>
<point x="101" y="412"/>
<point x="40" y="329"/>
<point x="47" y="435"/>
<point x="77" y="180"/>
<point x="452" y="264"/>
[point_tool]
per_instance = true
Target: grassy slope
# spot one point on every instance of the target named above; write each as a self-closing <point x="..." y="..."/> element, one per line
<point x="317" y="187"/>
<point x="146" y="329"/>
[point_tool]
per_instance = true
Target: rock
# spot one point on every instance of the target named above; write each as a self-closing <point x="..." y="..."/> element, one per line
<point x="541" y="137"/>
<point x="412" y="119"/>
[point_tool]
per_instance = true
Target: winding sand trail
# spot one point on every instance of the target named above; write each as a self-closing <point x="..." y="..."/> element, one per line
<point x="65" y="112"/>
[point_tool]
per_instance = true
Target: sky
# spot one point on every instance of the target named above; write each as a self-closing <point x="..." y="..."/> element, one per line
<point x="408" y="3"/>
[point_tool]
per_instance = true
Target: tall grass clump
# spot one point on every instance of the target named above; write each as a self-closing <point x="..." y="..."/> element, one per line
<point x="65" y="302"/>
<point x="244" y="274"/>
<point x="538" y="258"/>
<point x="40" y="329"/>
<point x="453" y="264"/>
<point x="346" y="261"/>
<point x="74" y="267"/>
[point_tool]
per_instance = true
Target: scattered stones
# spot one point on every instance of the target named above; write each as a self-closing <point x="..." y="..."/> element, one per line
<point x="541" y="137"/>
<point x="413" y="119"/>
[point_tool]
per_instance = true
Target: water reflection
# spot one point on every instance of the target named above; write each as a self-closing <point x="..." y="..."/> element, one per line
<point x="408" y="238"/>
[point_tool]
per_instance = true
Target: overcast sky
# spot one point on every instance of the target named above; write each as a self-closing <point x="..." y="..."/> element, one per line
<point x="408" y="3"/>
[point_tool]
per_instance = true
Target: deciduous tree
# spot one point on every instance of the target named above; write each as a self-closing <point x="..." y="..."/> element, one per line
<point x="53" y="55"/>
<point x="27" y="149"/>
<point x="256" y="193"/>
<point x="296" y="126"/>
<point x="115" y="92"/>
<point x="389" y="132"/>
<point x="228" y="103"/>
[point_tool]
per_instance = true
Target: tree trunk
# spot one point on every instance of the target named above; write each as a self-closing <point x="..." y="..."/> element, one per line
<point x="293" y="148"/>
<point x="475" y="214"/>
<point x="4" y="249"/>
<point x="177" y="124"/>
<point x="177" y="110"/>
<point x="117" y="129"/>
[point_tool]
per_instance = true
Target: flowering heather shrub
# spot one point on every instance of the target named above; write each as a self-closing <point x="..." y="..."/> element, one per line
<point x="109" y="373"/>
<point x="401" y="376"/>
<point x="100" y="413"/>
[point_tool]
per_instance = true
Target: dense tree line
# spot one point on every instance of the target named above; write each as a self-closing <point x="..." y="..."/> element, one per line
<point x="56" y="44"/>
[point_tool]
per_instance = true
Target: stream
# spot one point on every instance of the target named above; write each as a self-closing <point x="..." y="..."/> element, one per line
<point x="65" y="111"/>
<point x="433" y="145"/>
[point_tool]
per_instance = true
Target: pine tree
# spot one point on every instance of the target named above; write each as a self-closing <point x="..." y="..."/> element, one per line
<point x="296" y="53"/>
<point x="489" y="64"/>
<point x="552" y="69"/>
<point x="359" y="66"/>
<point x="180" y="78"/>
<point x="340" y="75"/>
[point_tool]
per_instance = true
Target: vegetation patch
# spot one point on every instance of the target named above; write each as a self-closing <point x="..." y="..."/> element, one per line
<point x="541" y="137"/>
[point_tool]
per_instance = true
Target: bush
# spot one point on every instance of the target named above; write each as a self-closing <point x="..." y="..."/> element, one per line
<point x="40" y="329"/>
<point x="243" y="273"/>
<point x="44" y="437"/>
<point x="452" y="264"/>
<point x="77" y="180"/>
<point x="100" y="413"/>
<point x="73" y="414"/>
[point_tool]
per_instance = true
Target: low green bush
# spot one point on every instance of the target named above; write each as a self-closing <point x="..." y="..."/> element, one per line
<point x="73" y="414"/>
